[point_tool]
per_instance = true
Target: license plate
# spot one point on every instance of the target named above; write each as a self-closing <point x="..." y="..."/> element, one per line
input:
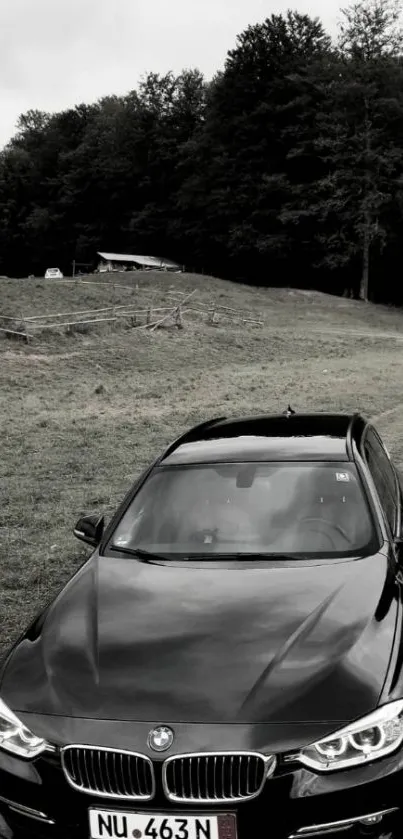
<point x="108" y="824"/>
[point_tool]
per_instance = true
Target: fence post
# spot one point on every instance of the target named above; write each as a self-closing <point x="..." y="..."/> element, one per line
<point x="24" y="326"/>
<point x="179" y="321"/>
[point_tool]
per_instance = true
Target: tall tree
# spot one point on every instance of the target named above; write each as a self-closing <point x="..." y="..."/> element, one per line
<point x="347" y="167"/>
<point x="237" y="182"/>
<point x="173" y="109"/>
<point x="370" y="41"/>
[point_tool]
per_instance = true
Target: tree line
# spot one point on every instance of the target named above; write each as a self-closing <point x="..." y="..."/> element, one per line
<point x="285" y="169"/>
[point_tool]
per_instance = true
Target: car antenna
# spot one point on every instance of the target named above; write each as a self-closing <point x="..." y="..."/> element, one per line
<point x="289" y="412"/>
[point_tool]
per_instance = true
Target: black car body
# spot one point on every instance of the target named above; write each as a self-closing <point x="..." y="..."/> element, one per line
<point x="212" y="666"/>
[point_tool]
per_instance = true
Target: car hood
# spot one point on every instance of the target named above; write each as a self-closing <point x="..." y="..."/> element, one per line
<point x="132" y="640"/>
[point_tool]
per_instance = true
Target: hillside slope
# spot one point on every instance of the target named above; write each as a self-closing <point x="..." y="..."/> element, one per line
<point x="81" y="414"/>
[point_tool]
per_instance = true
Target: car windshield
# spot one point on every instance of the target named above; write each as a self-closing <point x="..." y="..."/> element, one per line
<point x="256" y="509"/>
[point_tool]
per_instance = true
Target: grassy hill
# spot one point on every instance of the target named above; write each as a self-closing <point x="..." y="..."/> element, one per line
<point x="82" y="413"/>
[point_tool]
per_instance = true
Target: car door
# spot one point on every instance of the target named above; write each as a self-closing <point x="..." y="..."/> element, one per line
<point x="385" y="479"/>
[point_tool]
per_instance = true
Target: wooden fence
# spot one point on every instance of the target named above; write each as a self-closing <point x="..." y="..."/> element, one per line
<point x="150" y="317"/>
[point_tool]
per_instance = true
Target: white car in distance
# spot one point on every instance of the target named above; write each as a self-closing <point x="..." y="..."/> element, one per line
<point x="53" y="274"/>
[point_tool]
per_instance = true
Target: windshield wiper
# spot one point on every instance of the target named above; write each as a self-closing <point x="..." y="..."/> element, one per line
<point x="275" y="556"/>
<point x="139" y="552"/>
<point x="240" y="556"/>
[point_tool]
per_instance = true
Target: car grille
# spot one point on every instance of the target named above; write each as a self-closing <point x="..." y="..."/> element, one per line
<point x="109" y="773"/>
<point x="215" y="777"/>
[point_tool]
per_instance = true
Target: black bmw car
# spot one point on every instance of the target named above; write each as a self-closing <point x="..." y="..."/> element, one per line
<point x="228" y="663"/>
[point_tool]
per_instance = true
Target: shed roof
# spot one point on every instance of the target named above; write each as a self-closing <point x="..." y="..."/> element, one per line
<point x="147" y="261"/>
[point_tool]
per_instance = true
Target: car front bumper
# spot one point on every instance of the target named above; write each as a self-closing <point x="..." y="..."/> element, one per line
<point x="37" y="802"/>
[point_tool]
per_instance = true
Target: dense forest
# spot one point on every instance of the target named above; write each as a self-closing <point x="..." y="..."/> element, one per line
<point x="285" y="169"/>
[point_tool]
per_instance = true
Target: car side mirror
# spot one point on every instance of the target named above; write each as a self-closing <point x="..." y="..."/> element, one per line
<point x="399" y="548"/>
<point x="90" y="529"/>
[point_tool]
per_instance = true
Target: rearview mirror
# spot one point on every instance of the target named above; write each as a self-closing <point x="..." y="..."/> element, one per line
<point x="90" y="529"/>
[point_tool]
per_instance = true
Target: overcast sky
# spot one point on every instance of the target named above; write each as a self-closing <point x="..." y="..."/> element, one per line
<point x="57" y="53"/>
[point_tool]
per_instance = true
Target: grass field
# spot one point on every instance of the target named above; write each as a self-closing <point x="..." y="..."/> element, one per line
<point x="81" y="414"/>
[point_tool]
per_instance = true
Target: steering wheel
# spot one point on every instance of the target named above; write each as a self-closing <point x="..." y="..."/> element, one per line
<point x="329" y="524"/>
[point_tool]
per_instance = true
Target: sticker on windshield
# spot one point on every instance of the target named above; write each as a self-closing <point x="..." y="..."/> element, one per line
<point x="343" y="476"/>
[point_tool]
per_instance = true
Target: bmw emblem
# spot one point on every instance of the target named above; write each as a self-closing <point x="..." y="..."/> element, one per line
<point x="160" y="739"/>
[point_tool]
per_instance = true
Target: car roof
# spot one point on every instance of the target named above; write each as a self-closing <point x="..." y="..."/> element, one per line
<point x="296" y="437"/>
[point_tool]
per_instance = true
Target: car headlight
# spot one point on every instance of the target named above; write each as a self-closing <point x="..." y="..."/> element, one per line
<point x="375" y="736"/>
<point x="16" y="738"/>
